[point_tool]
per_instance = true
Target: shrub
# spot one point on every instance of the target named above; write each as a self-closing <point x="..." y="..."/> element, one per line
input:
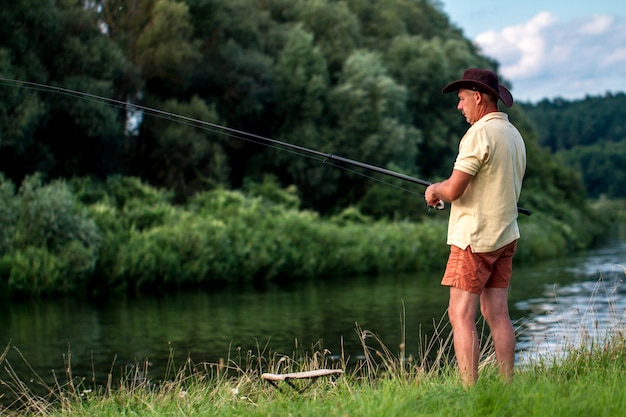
<point x="32" y="271"/>
<point x="49" y="216"/>
<point x="49" y="245"/>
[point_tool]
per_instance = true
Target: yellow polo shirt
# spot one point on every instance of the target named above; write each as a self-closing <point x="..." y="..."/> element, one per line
<point x="485" y="216"/>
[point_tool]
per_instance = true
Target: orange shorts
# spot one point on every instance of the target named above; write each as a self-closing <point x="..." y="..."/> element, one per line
<point x="474" y="272"/>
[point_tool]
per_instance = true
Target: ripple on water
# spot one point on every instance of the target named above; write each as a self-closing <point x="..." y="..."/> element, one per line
<point x="572" y="315"/>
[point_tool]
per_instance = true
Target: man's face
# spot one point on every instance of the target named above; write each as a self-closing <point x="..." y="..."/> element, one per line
<point x="468" y="100"/>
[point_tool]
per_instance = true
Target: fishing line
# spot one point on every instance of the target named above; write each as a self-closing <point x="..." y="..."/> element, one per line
<point x="198" y="124"/>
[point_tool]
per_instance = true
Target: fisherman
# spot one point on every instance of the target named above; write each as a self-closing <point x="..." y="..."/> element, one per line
<point x="483" y="190"/>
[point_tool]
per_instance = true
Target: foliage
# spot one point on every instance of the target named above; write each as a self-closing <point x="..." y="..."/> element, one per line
<point x="270" y="190"/>
<point x="565" y="124"/>
<point x="163" y="46"/>
<point x="102" y="238"/>
<point x="588" y="135"/>
<point x="183" y="158"/>
<point x="358" y="79"/>
<point x="601" y="166"/>
<point x="424" y="66"/>
<point x="60" y="44"/>
<point x="49" y="244"/>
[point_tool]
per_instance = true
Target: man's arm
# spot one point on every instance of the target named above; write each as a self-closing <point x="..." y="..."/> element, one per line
<point x="448" y="190"/>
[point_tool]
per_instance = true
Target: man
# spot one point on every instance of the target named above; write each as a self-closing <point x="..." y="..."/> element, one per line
<point x="483" y="189"/>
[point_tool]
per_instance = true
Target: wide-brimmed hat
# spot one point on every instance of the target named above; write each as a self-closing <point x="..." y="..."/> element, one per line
<point x="481" y="80"/>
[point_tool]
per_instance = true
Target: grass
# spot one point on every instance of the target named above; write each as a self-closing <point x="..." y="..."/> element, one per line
<point x="587" y="381"/>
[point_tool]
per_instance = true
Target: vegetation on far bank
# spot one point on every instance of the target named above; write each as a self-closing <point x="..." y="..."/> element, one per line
<point x="102" y="238"/>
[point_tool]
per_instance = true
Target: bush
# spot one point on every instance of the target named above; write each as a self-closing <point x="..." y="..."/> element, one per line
<point x="49" y="216"/>
<point x="36" y="271"/>
<point x="49" y="245"/>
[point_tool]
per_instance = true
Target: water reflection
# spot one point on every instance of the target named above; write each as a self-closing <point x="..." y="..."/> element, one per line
<point x="589" y="310"/>
<point x="206" y="327"/>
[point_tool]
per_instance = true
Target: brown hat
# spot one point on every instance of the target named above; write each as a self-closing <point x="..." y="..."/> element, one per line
<point x="481" y="80"/>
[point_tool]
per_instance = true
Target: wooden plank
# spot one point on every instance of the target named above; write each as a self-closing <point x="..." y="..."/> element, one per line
<point x="301" y="375"/>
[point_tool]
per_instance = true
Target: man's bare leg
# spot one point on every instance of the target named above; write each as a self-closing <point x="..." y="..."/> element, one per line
<point x="462" y="312"/>
<point x="495" y="310"/>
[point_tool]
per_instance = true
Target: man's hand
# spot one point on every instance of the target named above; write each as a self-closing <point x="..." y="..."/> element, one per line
<point x="448" y="190"/>
<point x="431" y="196"/>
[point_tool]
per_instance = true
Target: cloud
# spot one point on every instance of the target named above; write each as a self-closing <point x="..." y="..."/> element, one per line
<point x="521" y="49"/>
<point x="547" y="58"/>
<point x="598" y="25"/>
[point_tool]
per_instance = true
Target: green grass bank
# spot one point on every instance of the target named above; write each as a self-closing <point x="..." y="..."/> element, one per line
<point x="588" y="382"/>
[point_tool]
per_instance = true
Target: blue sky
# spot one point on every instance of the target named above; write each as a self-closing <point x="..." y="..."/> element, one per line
<point x="549" y="48"/>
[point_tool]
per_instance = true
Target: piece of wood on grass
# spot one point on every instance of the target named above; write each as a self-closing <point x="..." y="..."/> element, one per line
<point x="310" y="375"/>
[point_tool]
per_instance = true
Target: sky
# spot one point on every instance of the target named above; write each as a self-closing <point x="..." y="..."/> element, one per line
<point x="550" y="48"/>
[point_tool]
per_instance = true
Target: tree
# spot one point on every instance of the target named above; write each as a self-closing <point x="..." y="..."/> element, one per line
<point x="301" y="81"/>
<point x="180" y="157"/>
<point x="165" y="51"/>
<point x="370" y="120"/>
<point x="564" y="124"/>
<point x="157" y="37"/>
<point x="301" y="84"/>
<point x="601" y="167"/>
<point x="235" y="70"/>
<point x="586" y="135"/>
<point x="382" y="21"/>
<point x="424" y="67"/>
<point x="335" y="29"/>
<point x="20" y="112"/>
<point x="60" y="44"/>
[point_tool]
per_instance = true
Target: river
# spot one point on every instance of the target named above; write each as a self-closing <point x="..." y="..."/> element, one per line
<point x="553" y="304"/>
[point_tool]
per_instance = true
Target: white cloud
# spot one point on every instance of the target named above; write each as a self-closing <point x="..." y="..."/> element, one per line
<point x="521" y="49"/>
<point x="598" y="25"/>
<point x="547" y="57"/>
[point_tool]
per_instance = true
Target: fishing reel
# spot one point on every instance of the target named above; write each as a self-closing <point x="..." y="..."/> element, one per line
<point x="439" y="206"/>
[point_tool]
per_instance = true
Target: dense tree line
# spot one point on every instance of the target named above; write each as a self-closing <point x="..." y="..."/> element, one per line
<point x="355" y="78"/>
<point x="588" y="135"/>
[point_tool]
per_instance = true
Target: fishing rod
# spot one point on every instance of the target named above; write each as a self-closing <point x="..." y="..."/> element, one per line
<point x="223" y="129"/>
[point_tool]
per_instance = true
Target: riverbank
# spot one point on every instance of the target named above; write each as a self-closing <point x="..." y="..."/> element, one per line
<point x="588" y="382"/>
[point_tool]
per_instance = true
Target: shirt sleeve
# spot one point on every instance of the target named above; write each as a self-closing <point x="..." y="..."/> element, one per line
<point x="473" y="153"/>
